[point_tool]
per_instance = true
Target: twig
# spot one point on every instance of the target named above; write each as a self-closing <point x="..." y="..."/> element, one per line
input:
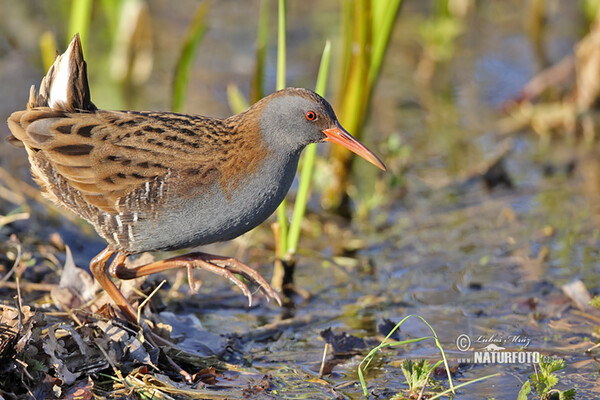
<point x="545" y="79"/>
<point x="594" y="347"/>
<point x="146" y="300"/>
<point x="113" y="366"/>
<point x="29" y="286"/>
<point x="587" y="315"/>
<point x="15" y="264"/>
<point x="186" y="375"/>
<point x="7" y="219"/>
<point x="19" y="305"/>
<point x="14" y="186"/>
<point x="323" y="360"/>
<point x="73" y="316"/>
<point x="425" y="384"/>
<point x="11" y="196"/>
<point x="34" y="193"/>
<point x="24" y="366"/>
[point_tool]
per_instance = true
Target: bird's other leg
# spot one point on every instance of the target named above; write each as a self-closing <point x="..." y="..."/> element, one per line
<point x="223" y="266"/>
<point x="98" y="268"/>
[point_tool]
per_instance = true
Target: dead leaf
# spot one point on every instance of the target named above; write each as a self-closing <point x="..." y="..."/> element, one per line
<point x="207" y="376"/>
<point x="81" y="391"/>
<point x="124" y="348"/>
<point x="15" y="333"/>
<point x="55" y="349"/>
<point x="76" y="286"/>
<point x="577" y="292"/>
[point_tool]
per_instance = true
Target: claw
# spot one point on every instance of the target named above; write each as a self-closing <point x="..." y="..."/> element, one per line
<point x="277" y="298"/>
<point x="222" y="266"/>
<point x="237" y="267"/>
<point x="191" y="280"/>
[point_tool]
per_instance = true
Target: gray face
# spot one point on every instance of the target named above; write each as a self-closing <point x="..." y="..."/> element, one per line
<point x="292" y="121"/>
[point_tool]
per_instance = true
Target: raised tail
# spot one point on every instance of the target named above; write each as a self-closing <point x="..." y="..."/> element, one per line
<point x="65" y="86"/>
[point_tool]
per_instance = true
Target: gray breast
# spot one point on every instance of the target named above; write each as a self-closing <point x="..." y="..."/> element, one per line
<point x="210" y="215"/>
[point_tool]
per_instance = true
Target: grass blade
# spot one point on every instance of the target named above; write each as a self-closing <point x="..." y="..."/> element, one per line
<point x="384" y="15"/>
<point x="48" y="49"/>
<point x="364" y="364"/>
<point x="79" y="20"/>
<point x="193" y="38"/>
<point x="281" y="46"/>
<point x="237" y="101"/>
<point x="256" y="85"/>
<point x="308" y="162"/>
<point x="281" y="216"/>
<point x="447" y="391"/>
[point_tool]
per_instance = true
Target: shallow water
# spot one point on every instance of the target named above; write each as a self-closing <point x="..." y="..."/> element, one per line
<point x="441" y="246"/>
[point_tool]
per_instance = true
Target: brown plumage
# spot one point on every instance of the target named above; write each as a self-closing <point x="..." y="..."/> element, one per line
<point x="160" y="181"/>
<point x="144" y="156"/>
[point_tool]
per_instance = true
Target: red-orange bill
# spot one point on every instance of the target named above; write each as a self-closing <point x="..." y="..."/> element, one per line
<point x="338" y="135"/>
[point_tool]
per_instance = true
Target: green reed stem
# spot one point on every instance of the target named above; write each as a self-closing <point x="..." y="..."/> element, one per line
<point x="48" y="49"/>
<point x="262" y="39"/>
<point x="79" y="20"/>
<point x="281" y="47"/>
<point x="194" y="36"/>
<point x="281" y="216"/>
<point x="235" y="98"/>
<point x="308" y="162"/>
<point x="384" y="15"/>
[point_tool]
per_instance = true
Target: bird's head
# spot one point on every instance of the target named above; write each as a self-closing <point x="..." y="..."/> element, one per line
<point x="292" y="118"/>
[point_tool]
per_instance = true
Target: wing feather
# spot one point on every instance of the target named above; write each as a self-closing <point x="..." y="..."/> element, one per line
<point x="107" y="155"/>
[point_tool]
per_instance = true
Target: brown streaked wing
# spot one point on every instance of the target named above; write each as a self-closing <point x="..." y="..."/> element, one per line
<point x="107" y="155"/>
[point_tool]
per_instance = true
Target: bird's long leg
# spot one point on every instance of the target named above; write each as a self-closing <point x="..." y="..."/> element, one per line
<point x="98" y="268"/>
<point x="222" y="266"/>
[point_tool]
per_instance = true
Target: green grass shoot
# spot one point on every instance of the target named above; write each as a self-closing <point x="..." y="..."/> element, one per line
<point x="79" y="20"/>
<point x="367" y="27"/>
<point x="308" y="163"/>
<point x="544" y="380"/>
<point x="417" y="373"/>
<point x="48" y="49"/>
<point x="281" y="82"/>
<point x="194" y="36"/>
<point x="262" y="39"/>
<point x="364" y="364"/>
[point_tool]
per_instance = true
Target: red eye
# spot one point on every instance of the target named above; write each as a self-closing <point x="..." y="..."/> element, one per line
<point x="311" y="115"/>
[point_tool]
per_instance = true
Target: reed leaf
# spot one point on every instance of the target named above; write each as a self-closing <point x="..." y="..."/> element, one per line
<point x="79" y="20"/>
<point x="193" y="38"/>
<point x="48" y="49"/>
<point x="236" y="99"/>
<point x="308" y="163"/>
<point x="367" y="27"/>
<point x="256" y="84"/>
<point x="281" y="50"/>
<point x="384" y="15"/>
